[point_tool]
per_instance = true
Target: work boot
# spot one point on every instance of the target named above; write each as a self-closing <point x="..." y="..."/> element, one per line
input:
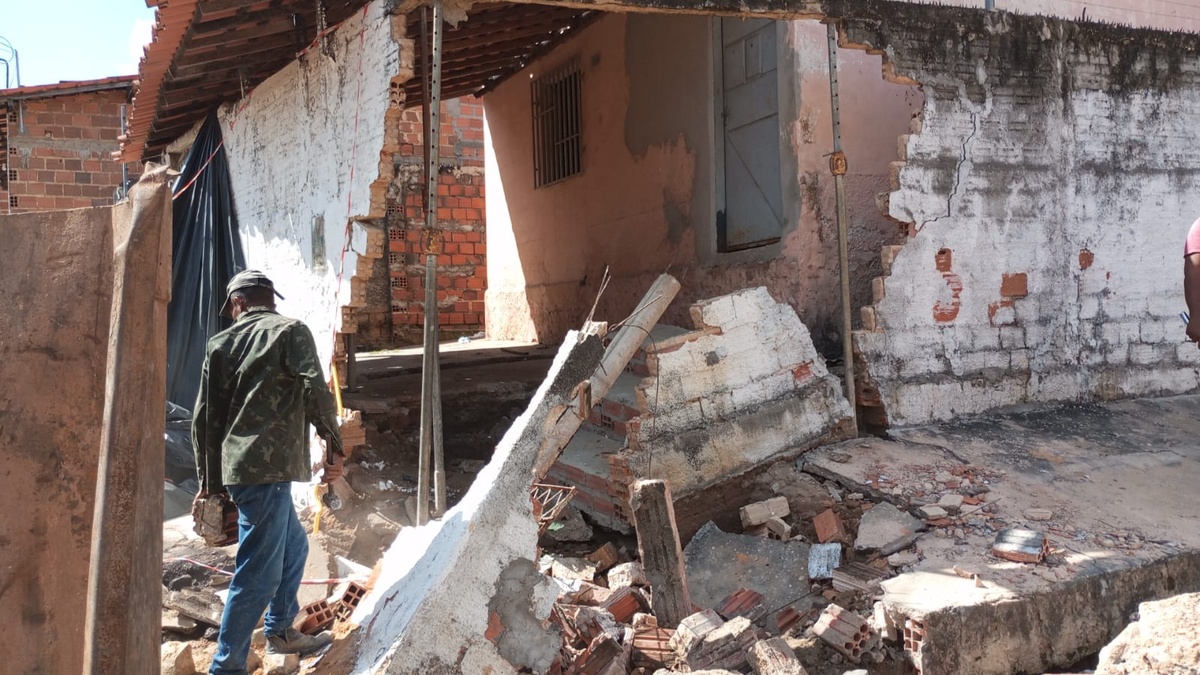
<point x="295" y="642"/>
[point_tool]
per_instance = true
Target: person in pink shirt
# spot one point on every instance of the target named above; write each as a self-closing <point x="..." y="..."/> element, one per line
<point x="1191" y="280"/>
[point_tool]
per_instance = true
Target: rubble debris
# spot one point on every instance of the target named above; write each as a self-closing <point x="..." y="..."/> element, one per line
<point x="759" y="513"/>
<point x="627" y="574"/>
<point x="600" y="655"/>
<point x="281" y="664"/>
<point x="829" y="526"/>
<point x="626" y="602"/>
<point x="660" y="551"/>
<point x="1021" y="545"/>
<point x="823" y="559"/>
<point x="570" y="526"/>
<point x="723" y="647"/>
<point x="883" y="624"/>
<point x="778" y="529"/>
<point x="774" y="657"/>
<point x="693" y="628"/>
<point x="177" y="659"/>
<point x="1038" y="515"/>
<point x="901" y="543"/>
<point x="843" y="630"/>
<point x="346" y="597"/>
<point x="175" y="622"/>
<point x="605" y="557"/>
<point x="786" y="619"/>
<point x="572" y="568"/>
<point x="933" y="512"/>
<point x="883" y="525"/>
<point x="315" y="617"/>
<point x="903" y="559"/>
<point x="1164" y="637"/>
<point x="719" y="563"/>
<point x="951" y="502"/>
<point x="652" y="645"/>
<point x="856" y="576"/>
<point x="742" y="602"/>
<point x="203" y="606"/>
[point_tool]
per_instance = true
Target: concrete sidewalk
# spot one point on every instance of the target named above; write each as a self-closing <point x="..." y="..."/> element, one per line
<point x="1114" y="487"/>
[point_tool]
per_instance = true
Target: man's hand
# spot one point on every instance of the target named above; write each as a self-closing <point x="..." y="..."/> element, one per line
<point x="333" y="466"/>
<point x="1193" y="329"/>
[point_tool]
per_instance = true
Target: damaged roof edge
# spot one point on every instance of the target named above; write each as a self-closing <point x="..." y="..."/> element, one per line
<point x="68" y="87"/>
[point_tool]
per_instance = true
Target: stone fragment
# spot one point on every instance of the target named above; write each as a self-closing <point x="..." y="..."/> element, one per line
<point x="882" y="525"/>
<point x="572" y="568"/>
<point x="903" y="559"/>
<point x="281" y="664"/>
<point x="1038" y="515"/>
<point x="177" y="659"/>
<point x="627" y="574"/>
<point x="1165" y="639"/>
<point x="829" y="526"/>
<point x="823" y="559"/>
<point x="384" y="528"/>
<point x="933" y="512"/>
<point x="952" y="503"/>
<point x="203" y="606"/>
<point x="722" y="648"/>
<point x="759" y="513"/>
<point x="570" y="526"/>
<point x="774" y="657"/>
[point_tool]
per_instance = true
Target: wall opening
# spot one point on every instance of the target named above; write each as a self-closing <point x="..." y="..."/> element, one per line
<point x="557" y="118"/>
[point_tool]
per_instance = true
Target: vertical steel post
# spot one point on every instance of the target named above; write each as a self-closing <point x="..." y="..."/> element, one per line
<point x="430" y="447"/>
<point x="124" y="190"/>
<point x="837" y="165"/>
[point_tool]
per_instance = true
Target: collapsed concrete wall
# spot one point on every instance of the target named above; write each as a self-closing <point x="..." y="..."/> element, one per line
<point x="747" y="386"/>
<point x="463" y="594"/>
<point x="1047" y="192"/>
<point x="310" y="160"/>
<point x="57" y="285"/>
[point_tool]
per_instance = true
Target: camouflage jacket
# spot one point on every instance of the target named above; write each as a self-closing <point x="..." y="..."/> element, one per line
<point x="261" y="386"/>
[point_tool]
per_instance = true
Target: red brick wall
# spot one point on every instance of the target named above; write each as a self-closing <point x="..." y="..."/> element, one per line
<point x="62" y="159"/>
<point x="462" y="270"/>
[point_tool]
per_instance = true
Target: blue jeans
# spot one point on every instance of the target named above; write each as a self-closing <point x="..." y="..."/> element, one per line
<point x="272" y="548"/>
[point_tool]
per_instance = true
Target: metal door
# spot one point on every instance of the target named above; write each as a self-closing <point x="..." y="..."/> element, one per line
<point x="753" y="190"/>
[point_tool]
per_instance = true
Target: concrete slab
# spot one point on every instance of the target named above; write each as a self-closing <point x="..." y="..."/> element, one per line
<point x="1119" y="480"/>
<point x="719" y="563"/>
<point x="882" y="525"/>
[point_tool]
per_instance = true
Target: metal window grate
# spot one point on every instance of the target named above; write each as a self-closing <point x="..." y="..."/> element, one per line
<point x="557" y="117"/>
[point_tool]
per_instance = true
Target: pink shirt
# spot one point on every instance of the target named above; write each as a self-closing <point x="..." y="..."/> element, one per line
<point x="1192" y="244"/>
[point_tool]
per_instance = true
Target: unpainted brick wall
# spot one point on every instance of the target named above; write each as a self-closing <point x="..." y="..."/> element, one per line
<point x="1047" y="191"/>
<point x="61" y="160"/>
<point x="462" y="263"/>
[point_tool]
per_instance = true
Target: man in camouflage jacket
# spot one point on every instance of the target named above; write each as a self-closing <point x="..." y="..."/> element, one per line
<point x="262" y="385"/>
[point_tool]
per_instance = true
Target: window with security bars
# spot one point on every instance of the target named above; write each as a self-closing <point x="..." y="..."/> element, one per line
<point x="557" y="121"/>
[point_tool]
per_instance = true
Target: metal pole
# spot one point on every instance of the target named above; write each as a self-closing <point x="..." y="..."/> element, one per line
<point x="124" y="165"/>
<point x="430" y="388"/>
<point x="837" y="165"/>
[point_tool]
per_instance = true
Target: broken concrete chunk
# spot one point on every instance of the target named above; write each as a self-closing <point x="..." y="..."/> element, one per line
<point x="823" y="559"/>
<point x="759" y="513"/>
<point x="281" y="664"/>
<point x="882" y="525"/>
<point x="570" y="526"/>
<point x="693" y="629"/>
<point x="933" y="512"/>
<point x="951" y="502"/>
<point x="723" y="647"/>
<point x="203" y="606"/>
<point x="1038" y="515"/>
<point x="843" y="630"/>
<point x="177" y="659"/>
<point x="174" y="621"/>
<point x="1165" y="635"/>
<point x="1020" y="545"/>
<point x="381" y="526"/>
<point x="903" y="559"/>
<point x="774" y="657"/>
<point x="829" y="526"/>
<point x="719" y="563"/>
<point x="627" y="574"/>
<point x="572" y="568"/>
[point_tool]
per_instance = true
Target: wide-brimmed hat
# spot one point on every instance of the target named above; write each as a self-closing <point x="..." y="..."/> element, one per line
<point x="244" y="280"/>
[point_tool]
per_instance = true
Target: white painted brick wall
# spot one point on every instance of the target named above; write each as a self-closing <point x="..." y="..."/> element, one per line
<point x="291" y="144"/>
<point x="1012" y="176"/>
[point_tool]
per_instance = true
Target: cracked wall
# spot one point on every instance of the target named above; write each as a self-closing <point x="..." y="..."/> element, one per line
<point x="1046" y="190"/>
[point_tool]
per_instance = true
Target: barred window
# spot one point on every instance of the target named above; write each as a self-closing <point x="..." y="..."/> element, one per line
<point x="557" y="117"/>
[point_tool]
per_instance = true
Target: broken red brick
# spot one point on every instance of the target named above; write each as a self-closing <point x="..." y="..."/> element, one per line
<point x="625" y="603"/>
<point x="829" y="526"/>
<point x="652" y="647"/>
<point x="742" y="602"/>
<point x="495" y="628"/>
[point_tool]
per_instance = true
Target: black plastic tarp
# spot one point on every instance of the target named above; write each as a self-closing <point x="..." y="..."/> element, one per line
<point x="206" y="252"/>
